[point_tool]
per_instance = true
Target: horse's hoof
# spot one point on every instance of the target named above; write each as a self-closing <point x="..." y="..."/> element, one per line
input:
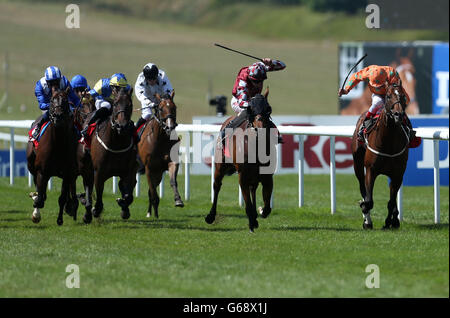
<point x="179" y="203"/>
<point x="36" y="219"/>
<point x="148" y="214"/>
<point x="367" y="226"/>
<point x="210" y="218"/>
<point x="59" y="222"/>
<point x="87" y="218"/>
<point x="125" y="214"/>
<point x="395" y="223"/>
<point x="95" y="213"/>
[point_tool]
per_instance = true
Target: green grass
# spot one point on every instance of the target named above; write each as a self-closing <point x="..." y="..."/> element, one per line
<point x="296" y="252"/>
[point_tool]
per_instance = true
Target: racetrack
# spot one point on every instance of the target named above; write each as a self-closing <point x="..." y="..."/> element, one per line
<point x="294" y="253"/>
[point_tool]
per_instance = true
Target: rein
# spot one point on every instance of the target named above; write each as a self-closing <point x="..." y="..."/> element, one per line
<point x="385" y="154"/>
<point x="112" y="150"/>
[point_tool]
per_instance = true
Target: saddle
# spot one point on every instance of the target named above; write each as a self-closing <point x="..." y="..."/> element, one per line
<point x="41" y="132"/>
<point x="370" y="124"/>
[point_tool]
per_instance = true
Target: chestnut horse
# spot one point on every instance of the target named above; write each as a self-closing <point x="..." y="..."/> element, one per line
<point x="252" y="171"/>
<point x="85" y="167"/>
<point x="113" y="153"/>
<point x="158" y="142"/>
<point x="385" y="151"/>
<point x="55" y="156"/>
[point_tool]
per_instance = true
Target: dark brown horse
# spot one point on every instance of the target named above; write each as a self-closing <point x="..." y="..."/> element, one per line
<point x="85" y="167"/>
<point x="159" y="140"/>
<point x="252" y="155"/>
<point x="113" y="153"/>
<point x="55" y="156"/>
<point x="385" y="151"/>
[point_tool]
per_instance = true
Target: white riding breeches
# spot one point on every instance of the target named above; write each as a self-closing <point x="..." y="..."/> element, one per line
<point x="99" y="103"/>
<point x="377" y="104"/>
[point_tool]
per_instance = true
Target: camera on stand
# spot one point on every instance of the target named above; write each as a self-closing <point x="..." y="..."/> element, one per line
<point x="221" y="105"/>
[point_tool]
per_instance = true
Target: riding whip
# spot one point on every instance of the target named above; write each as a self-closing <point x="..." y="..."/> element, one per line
<point x="227" y="48"/>
<point x="359" y="61"/>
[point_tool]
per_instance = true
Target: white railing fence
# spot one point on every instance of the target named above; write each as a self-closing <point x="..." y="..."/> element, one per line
<point x="434" y="133"/>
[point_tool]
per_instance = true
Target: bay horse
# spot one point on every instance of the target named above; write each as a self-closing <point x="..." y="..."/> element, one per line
<point x="158" y="142"/>
<point x="55" y="156"/>
<point x="250" y="170"/>
<point x="84" y="160"/>
<point x="113" y="153"/>
<point x="385" y="151"/>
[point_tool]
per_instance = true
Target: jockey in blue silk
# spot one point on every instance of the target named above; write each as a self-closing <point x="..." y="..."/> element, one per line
<point x="103" y="93"/>
<point x="79" y="85"/>
<point x="43" y="91"/>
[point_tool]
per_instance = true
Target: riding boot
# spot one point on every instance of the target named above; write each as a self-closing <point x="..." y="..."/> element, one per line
<point x="236" y="122"/>
<point x="412" y="132"/>
<point x="365" y="125"/>
<point x="139" y="122"/>
<point x="40" y="121"/>
<point x="99" y="115"/>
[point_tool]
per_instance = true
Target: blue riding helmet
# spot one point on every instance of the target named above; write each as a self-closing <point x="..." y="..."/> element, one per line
<point x="52" y="73"/>
<point x="79" y="81"/>
<point x="118" y="79"/>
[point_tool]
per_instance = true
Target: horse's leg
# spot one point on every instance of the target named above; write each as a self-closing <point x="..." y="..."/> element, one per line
<point x="250" y="208"/>
<point x="40" y="196"/>
<point x="358" y="166"/>
<point x="126" y="186"/>
<point x="367" y="204"/>
<point x="392" y="218"/>
<point x="218" y="177"/>
<point x="173" y="172"/>
<point x="88" y="184"/>
<point x="73" y="200"/>
<point x="153" y="179"/>
<point x="99" y="183"/>
<point x="267" y="188"/>
<point x="63" y="198"/>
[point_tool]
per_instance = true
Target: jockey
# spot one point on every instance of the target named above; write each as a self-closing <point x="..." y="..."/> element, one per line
<point x="79" y="85"/>
<point x="248" y="83"/>
<point x="103" y="93"/>
<point x="150" y="81"/>
<point x="376" y="77"/>
<point x="43" y="91"/>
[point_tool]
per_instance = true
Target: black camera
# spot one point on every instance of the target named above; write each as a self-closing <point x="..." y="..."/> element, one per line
<point x="221" y="104"/>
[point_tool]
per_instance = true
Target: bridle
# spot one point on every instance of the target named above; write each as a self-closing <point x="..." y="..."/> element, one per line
<point x="162" y="121"/>
<point x="59" y="101"/>
<point x="392" y="115"/>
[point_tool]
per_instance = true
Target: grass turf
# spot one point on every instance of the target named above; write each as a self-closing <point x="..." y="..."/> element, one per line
<point x="296" y="252"/>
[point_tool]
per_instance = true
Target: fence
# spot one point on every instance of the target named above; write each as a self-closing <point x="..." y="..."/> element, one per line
<point x="187" y="130"/>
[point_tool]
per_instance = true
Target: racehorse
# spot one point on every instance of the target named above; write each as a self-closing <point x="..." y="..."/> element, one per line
<point x="385" y="151"/>
<point x="158" y="142"/>
<point x="250" y="170"/>
<point x="55" y="156"/>
<point x="85" y="167"/>
<point x="113" y="153"/>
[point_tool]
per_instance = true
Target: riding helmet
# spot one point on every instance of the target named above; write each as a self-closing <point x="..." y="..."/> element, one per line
<point x="151" y="72"/>
<point x="52" y="73"/>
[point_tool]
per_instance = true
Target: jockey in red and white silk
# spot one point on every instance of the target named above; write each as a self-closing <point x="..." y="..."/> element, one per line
<point x="249" y="82"/>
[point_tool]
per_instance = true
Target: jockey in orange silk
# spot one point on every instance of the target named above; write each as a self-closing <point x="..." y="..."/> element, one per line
<point x="376" y="77"/>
